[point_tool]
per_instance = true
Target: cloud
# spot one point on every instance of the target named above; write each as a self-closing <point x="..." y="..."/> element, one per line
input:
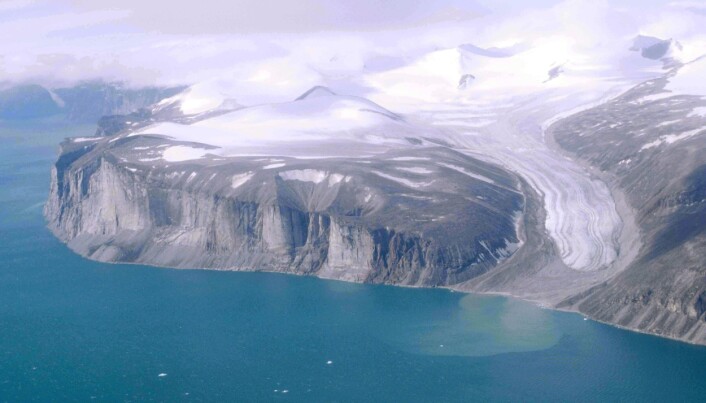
<point x="298" y="44"/>
<point x="257" y="16"/>
<point x="693" y="6"/>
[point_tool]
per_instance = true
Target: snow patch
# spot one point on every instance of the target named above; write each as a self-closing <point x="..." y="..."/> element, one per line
<point x="403" y="181"/>
<point x="689" y="80"/>
<point x="465" y="172"/>
<point x="304" y="175"/>
<point x="310" y="124"/>
<point x="416" y="170"/>
<point x="240" y="179"/>
<point x="312" y="175"/>
<point x="701" y="111"/>
<point x="652" y="98"/>
<point x="667" y="123"/>
<point x="671" y="139"/>
<point x="183" y="153"/>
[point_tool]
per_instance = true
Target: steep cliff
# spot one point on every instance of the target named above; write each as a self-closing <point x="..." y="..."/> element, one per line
<point x="90" y="101"/>
<point x="27" y="102"/>
<point x="368" y="220"/>
<point x="86" y="102"/>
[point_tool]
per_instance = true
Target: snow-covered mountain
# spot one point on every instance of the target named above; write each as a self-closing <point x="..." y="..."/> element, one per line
<point x="527" y="162"/>
<point x="326" y="184"/>
<point x="319" y="123"/>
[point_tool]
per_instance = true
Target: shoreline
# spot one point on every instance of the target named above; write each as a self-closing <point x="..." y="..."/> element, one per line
<point x="453" y="289"/>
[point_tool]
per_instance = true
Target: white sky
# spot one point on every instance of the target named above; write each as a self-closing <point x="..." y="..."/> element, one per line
<point x="58" y="42"/>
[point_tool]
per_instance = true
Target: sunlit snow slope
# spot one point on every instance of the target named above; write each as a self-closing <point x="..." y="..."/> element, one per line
<point x="501" y="114"/>
<point x="319" y="123"/>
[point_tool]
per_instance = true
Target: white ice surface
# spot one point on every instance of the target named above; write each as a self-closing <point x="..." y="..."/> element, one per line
<point x="690" y="79"/>
<point x="701" y="111"/>
<point x="315" y="126"/>
<point x="502" y="116"/>
<point x="183" y="153"/>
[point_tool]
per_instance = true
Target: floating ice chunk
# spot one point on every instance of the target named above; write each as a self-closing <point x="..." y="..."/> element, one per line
<point x="162" y="375"/>
<point x="329" y="362"/>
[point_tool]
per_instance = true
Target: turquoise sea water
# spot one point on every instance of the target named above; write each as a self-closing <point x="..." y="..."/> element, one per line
<point x="76" y="330"/>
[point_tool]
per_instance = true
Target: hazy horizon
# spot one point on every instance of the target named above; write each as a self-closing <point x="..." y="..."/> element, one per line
<point x="154" y="43"/>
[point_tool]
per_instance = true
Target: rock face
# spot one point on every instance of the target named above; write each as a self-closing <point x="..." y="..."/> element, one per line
<point x="87" y="102"/>
<point x="27" y="102"/>
<point x="649" y="142"/>
<point x="374" y="220"/>
<point x="666" y="50"/>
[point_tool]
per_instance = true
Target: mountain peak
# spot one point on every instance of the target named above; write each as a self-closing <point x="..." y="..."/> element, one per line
<point x="666" y="50"/>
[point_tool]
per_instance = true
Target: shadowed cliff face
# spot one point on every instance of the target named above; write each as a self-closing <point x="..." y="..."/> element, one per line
<point x="650" y="142"/>
<point x="27" y="102"/>
<point x="87" y="102"/>
<point x="398" y="218"/>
